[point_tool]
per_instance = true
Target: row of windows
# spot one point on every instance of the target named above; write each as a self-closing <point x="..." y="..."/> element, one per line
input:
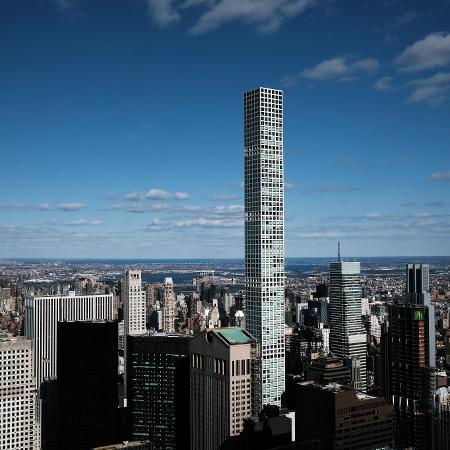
<point x="240" y="367"/>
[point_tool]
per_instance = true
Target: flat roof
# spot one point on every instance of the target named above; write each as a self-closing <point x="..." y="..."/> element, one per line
<point x="234" y="335"/>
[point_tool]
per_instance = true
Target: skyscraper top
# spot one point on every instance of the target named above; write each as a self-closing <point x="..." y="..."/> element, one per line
<point x="263" y="89"/>
<point x="418" y="284"/>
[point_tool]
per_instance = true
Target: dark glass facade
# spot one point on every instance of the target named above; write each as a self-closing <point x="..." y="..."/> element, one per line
<point x="158" y="390"/>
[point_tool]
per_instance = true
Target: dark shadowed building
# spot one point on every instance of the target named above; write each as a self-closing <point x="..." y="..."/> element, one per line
<point x="411" y="360"/>
<point x="158" y="389"/>
<point x="87" y="397"/>
<point x="336" y="417"/>
<point x="269" y="430"/>
<point x="133" y="445"/>
<point x="48" y="410"/>
<point x="328" y="369"/>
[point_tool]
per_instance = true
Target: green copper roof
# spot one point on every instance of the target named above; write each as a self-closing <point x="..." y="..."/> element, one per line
<point x="234" y="335"/>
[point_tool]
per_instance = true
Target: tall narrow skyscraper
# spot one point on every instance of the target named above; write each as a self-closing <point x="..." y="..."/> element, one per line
<point x="264" y="239"/>
<point x="168" y="310"/>
<point x="135" y="306"/>
<point x="347" y="336"/>
<point x="412" y="359"/>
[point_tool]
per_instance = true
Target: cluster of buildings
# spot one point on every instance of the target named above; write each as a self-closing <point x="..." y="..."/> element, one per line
<point x="145" y="366"/>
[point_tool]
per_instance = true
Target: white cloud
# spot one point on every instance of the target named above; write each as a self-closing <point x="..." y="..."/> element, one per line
<point x="441" y="176"/>
<point x="157" y="225"/>
<point x="266" y="16"/>
<point x="384" y="84"/>
<point x="431" y="52"/>
<point x="64" y="4"/>
<point x="187" y="208"/>
<point x="210" y="223"/>
<point x="156" y="194"/>
<point x="433" y="90"/>
<point x="110" y="196"/>
<point x="42" y="206"/>
<point x="229" y="209"/>
<point x="71" y="206"/>
<point x="329" y="189"/>
<point x="223" y="197"/>
<point x="341" y="68"/>
<point x="136" y="208"/>
<point x="81" y="222"/>
<point x="403" y="20"/>
<point x="25" y="207"/>
<point x="289" y="186"/>
<point x="181" y="196"/>
<point x="163" y="12"/>
<point x="436" y="204"/>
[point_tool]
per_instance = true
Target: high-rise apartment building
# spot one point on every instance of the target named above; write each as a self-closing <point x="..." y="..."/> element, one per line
<point x="42" y="315"/>
<point x="135" y="312"/>
<point x="264" y="239"/>
<point x="158" y="389"/>
<point x="411" y="360"/>
<point x="18" y="428"/>
<point x="168" y="309"/>
<point x="348" y="339"/>
<point x="134" y="304"/>
<point x="220" y="388"/>
<point x="87" y="392"/>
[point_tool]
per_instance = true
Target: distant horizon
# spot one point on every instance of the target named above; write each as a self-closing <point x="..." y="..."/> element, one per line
<point x="344" y="257"/>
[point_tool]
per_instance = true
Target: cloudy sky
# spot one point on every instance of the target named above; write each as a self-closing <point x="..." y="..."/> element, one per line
<point x="121" y="125"/>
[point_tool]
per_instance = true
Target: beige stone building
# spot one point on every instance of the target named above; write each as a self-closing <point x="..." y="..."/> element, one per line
<point x="220" y="362"/>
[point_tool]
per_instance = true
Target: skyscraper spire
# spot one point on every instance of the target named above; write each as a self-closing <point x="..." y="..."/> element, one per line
<point x="339" y="251"/>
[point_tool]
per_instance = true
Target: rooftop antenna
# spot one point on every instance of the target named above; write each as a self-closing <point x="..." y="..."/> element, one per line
<point x="339" y="251"/>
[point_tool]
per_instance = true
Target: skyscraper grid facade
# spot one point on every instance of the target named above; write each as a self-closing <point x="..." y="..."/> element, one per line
<point x="18" y="429"/>
<point x="168" y="310"/>
<point x="347" y="337"/>
<point x="135" y="304"/>
<point x="158" y="389"/>
<point x="264" y="239"/>
<point x="134" y="307"/>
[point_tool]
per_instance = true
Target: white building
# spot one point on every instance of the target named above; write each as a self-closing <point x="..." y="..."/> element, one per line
<point x="325" y="339"/>
<point x="168" y="309"/>
<point x="18" y="428"/>
<point x="42" y="315"/>
<point x="375" y="327"/>
<point x="134" y="304"/>
<point x="264" y="239"/>
<point x="134" y="312"/>
<point x="347" y="336"/>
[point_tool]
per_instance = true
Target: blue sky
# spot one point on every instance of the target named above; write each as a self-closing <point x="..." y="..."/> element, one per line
<point x="121" y="125"/>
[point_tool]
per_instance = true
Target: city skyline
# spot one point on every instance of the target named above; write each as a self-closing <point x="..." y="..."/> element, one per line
<point x="115" y="146"/>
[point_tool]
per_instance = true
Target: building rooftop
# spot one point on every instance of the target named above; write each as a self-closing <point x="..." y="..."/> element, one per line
<point x="125" y="444"/>
<point x="234" y="335"/>
<point x="336" y="388"/>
